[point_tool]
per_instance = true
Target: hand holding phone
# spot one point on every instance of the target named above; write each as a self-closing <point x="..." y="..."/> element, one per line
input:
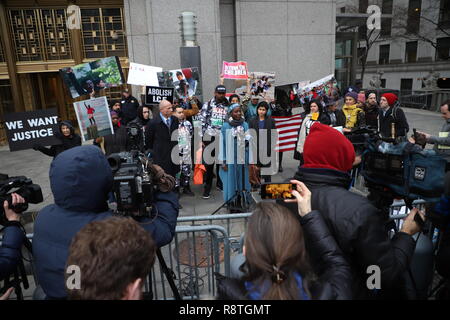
<point x="303" y="197"/>
<point x="277" y="191"/>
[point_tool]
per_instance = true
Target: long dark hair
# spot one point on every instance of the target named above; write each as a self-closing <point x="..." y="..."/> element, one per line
<point x="308" y="107"/>
<point x="274" y="241"/>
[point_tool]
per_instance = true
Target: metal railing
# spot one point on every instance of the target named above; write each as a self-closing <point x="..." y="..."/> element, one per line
<point x="205" y="245"/>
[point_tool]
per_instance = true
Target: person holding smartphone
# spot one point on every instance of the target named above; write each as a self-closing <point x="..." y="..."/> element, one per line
<point x="275" y="248"/>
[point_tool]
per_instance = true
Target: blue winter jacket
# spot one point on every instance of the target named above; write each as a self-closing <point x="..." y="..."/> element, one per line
<point x="10" y="251"/>
<point x="80" y="179"/>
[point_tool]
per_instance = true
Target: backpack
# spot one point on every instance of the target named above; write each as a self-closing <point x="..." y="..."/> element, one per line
<point x="406" y="169"/>
<point x="394" y="115"/>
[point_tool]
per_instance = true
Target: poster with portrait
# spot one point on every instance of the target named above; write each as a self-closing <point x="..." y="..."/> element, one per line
<point x="185" y="81"/>
<point x="87" y="77"/>
<point x="94" y="118"/>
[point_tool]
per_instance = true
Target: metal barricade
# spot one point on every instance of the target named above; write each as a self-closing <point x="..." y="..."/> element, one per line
<point x="202" y="246"/>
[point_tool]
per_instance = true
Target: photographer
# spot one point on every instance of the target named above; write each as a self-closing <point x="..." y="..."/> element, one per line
<point x="10" y="250"/>
<point x="354" y="222"/>
<point x="81" y="179"/>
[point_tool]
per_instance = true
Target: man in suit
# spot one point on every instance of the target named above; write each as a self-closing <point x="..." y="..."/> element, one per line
<point x="159" y="138"/>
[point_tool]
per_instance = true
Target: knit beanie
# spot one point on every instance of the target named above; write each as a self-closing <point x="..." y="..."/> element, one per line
<point x="391" y="98"/>
<point x="327" y="148"/>
<point x="352" y="94"/>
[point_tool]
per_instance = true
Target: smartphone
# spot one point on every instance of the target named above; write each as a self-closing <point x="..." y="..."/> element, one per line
<point x="277" y="191"/>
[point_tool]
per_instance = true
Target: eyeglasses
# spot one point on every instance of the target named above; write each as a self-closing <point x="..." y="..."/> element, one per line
<point x="145" y="111"/>
<point x="114" y="118"/>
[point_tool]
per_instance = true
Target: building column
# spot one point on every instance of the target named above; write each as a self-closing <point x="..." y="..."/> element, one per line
<point x="10" y="58"/>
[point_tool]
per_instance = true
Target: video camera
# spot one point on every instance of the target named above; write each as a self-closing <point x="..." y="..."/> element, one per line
<point x="132" y="183"/>
<point x="136" y="136"/>
<point x="32" y="193"/>
<point x="400" y="169"/>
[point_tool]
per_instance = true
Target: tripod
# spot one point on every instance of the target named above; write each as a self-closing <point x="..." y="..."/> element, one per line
<point x="19" y="275"/>
<point x="170" y="276"/>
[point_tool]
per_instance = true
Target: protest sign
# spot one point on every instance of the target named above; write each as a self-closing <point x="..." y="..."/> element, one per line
<point x="185" y="81"/>
<point x="94" y="118"/>
<point x="287" y="95"/>
<point x="235" y="70"/>
<point x="143" y="75"/>
<point x="24" y="129"/>
<point x="263" y="84"/>
<point x="154" y="95"/>
<point x="325" y="87"/>
<point x="92" y="76"/>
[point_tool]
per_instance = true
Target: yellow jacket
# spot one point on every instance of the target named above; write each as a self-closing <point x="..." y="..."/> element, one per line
<point x="351" y="115"/>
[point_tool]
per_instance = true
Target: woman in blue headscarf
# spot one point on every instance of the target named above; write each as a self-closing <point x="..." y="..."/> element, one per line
<point x="235" y="156"/>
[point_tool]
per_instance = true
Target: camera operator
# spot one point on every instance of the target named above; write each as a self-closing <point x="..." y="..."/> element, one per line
<point x="10" y="250"/>
<point x="354" y="222"/>
<point x="81" y="179"/>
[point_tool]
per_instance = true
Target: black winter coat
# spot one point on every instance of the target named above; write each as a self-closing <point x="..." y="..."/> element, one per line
<point x="399" y="120"/>
<point x="117" y="142"/>
<point x="158" y="141"/>
<point x="340" y="118"/>
<point x="129" y="107"/>
<point x="66" y="143"/>
<point x="359" y="230"/>
<point x="372" y="114"/>
<point x="269" y="124"/>
<point x="333" y="271"/>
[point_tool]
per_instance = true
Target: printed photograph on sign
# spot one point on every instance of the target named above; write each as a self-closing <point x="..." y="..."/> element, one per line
<point x="326" y="88"/>
<point x="94" y="118"/>
<point x="85" y="78"/>
<point x="286" y="95"/>
<point x="185" y="81"/>
<point x="24" y="130"/>
<point x="261" y="84"/>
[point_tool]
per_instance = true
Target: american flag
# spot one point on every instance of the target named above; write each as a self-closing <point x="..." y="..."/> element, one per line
<point x="287" y="128"/>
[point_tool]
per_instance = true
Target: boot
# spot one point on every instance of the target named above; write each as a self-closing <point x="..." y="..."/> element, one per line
<point x="187" y="191"/>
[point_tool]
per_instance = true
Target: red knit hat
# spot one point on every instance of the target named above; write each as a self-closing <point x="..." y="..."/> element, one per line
<point x="391" y="98"/>
<point x="327" y="148"/>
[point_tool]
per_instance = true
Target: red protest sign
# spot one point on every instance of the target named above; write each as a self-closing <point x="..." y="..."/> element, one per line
<point x="235" y="70"/>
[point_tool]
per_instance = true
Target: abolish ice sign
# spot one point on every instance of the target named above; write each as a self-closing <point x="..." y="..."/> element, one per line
<point x="154" y="95"/>
<point x="24" y="129"/>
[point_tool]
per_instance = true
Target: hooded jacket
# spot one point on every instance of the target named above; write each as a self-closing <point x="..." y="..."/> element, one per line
<point x="355" y="223"/>
<point x="129" y="108"/>
<point x="81" y="179"/>
<point x="71" y="141"/>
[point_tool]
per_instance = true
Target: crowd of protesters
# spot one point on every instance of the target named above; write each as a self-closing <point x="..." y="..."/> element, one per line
<point x="315" y="246"/>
